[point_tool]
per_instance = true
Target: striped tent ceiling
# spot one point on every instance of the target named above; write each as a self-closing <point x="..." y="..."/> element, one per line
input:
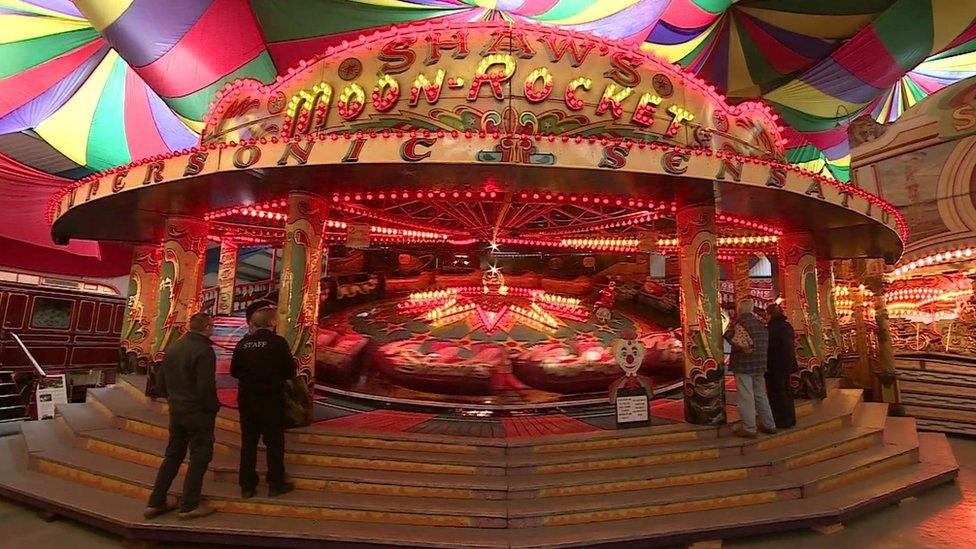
<point x="104" y="82"/>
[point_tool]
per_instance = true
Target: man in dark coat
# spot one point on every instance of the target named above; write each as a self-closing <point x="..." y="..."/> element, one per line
<point x="781" y="360"/>
<point x="262" y="363"/>
<point x="188" y="379"/>
<point x="749" y="365"/>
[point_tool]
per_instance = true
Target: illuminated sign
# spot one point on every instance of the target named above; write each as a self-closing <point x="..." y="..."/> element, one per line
<point x="494" y="77"/>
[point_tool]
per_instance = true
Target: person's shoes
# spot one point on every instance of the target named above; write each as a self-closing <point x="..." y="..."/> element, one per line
<point x="247" y="493"/>
<point x="153" y="512"/>
<point x="201" y="511"/>
<point x="740" y="432"/>
<point x="767" y="430"/>
<point x="280" y="489"/>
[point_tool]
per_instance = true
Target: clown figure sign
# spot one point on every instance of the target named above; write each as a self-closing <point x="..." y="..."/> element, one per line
<point x="631" y="393"/>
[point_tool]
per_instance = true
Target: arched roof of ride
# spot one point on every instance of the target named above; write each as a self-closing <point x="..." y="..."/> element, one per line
<point x="104" y="82"/>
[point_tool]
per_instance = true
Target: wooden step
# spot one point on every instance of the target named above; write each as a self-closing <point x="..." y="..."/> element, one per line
<point x="52" y="451"/>
<point x="939" y="401"/>
<point x="136" y="418"/>
<point x="841" y="505"/>
<point x="835" y="475"/>
<point x="228" y="420"/>
<point x="940" y="414"/>
<point x="530" y="462"/>
<point x="325" y="434"/>
<point x="833" y="414"/>
<point x="50" y="446"/>
<point x="937" y="388"/>
<point x="943" y="426"/>
<point x="805" y="482"/>
<point x="756" y="464"/>
<point x="123" y="516"/>
<point x="146" y="450"/>
<point x="95" y="428"/>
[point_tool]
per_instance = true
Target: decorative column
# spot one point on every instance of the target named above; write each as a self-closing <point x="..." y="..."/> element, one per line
<point x="832" y="344"/>
<point x="701" y="322"/>
<point x="885" y="387"/>
<point x="798" y="279"/>
<point x="140" y="308"/>
<point x="741" y="284"/>
<point x="180" y="278"/>
<point x="226" y="276"/>
<point x="859" y="374"/>
<point x="298" y="295"/>
<point x="775" y="276"/>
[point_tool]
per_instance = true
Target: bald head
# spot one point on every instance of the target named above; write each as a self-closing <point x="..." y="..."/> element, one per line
<point x="264" y="319"/>
<point x="746" y="306"/>
<point x="201" y="323"/>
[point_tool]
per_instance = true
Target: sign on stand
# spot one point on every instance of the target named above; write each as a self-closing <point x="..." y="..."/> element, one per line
<point x="51" y="391"/>
<point x="631" y="394"/>
<point x="632" y="407"/>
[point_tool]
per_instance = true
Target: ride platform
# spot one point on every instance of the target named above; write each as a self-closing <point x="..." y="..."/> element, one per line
<point x="366" y="482"/>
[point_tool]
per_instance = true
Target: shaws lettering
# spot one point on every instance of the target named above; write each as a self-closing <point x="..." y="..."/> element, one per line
<point x="309" y="110"/>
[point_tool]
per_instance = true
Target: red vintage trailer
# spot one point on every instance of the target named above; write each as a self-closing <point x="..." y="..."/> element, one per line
<point x="69" y="327"/>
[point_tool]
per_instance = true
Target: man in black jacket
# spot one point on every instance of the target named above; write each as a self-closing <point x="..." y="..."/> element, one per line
<point x="262" y="363"/>
<point x="781" y="360"/>
<point x="188" y="379"/>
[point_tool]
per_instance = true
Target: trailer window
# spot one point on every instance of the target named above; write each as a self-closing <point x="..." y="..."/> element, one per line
<point x="51" y="313"/>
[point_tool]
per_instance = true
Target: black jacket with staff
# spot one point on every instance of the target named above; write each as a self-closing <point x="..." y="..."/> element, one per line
<point x="262" y="364"/>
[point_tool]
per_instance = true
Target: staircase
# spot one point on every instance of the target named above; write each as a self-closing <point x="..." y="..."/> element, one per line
<point x="12" y="404"/>
<point x="661" y="485"/>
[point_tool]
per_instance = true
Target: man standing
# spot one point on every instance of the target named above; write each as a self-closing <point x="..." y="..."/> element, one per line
<point x="188" y="376"/>
<point x="748" y="363"/>
<point x="262" y="363"/>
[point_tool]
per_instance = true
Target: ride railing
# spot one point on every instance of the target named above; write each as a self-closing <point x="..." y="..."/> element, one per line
<point x="244" y="294"/>
<point x="27" y="389"/>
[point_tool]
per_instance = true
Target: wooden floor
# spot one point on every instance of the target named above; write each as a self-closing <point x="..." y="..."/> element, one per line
<point x="939" y="391"/>
<point x="388" y="485"/>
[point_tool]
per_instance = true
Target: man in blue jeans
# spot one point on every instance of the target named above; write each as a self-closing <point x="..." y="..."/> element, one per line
<point x="749" y="366"/>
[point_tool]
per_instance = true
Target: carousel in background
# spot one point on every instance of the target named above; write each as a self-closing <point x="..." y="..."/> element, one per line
<point x="503" y="256"/>
<point x="920" y="312"/>
<point x="527" y="175"/>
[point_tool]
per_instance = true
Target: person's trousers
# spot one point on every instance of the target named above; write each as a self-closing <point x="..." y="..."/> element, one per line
<point x="781" y="399"/>
<point x="752" y="398"/>
<point x="187" y="430"/>
<point x="255" y="426"/>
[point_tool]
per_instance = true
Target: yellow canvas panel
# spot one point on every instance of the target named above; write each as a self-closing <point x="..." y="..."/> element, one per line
<point x="820" y="26"/>
<point x="24" y="27"/>
<point x="67" y="129"/>
<point x="102" y="13"/>
<point x="949" y="19"/>
<point x="801" y="96"/>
